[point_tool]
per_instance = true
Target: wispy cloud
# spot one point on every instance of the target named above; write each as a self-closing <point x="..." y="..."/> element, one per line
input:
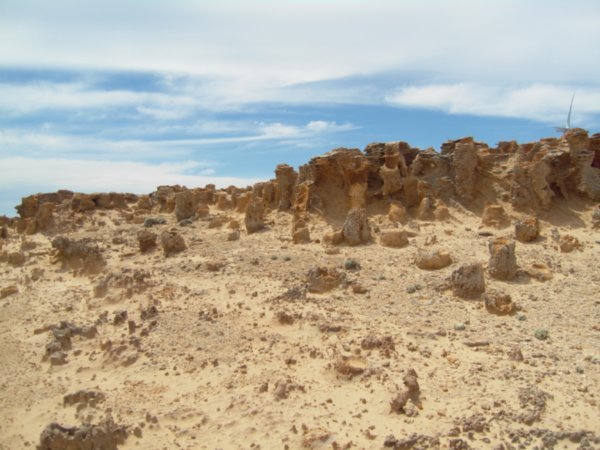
<point x="32" y="174"/>
<point x="25" y="98"/>
<point x="542" y="102"/>
<point x="26" y="142"/>
<point x="279" y="43"/>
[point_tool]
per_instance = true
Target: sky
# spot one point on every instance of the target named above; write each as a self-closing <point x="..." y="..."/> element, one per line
<point x="127" y="95"/>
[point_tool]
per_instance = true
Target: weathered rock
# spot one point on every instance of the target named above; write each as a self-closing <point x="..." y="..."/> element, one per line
<point x="152" y="221"/>
<point x="4" y="231"/>
<point x="527" y="230"/>
<point x="202" y="211"/>
<point x="394" y="238"/>
<point x="285" y="178"/>
<point x="494" y="216"/>
<point x="82" y="203"/>
<point x="78" y="255"/>
<point x="425" y="210"/>
<point x="16" y="259"/>
<point x="468" y="281"/>
<point x="254" y="218"/>
<point x="503" y="262"/>
<point x="499" y="303"/>
<point x="441" y="212"/>
<point x="350" y="366"/>
<point x="58" y="358"/>
<point x="323" y="279"/>
<point x="397" y="213"/>
<point x="540" y="272"/>
<point x="300" y="233"/>
<point x="172" y="242"/>
<point x="333" y="238"/>
<point x="433" y="260"/>
<point x="185" y="205"/>
<point x="466" y="164"/>
<point x="224" y="202"/>
<point x="8" y="291"/>
<point x="412" y="393"/>
<point x="569" y="243"/>
<point x="233" y="235"/>
<point x="83" y="399"/>
<point x="146" y="240"/>
<point x="596" y="218"/>
<point x="104" y="436"/>
<point x="356" y="229"/>
<point x="217" y="221"/>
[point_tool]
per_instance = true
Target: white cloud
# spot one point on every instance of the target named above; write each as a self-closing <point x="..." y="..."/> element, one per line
<point x="543" y="102"/>
<point x="266" y="44"/>
<point x="31" y="175"/>
<point x="27" y="142"/>
<point x="25" y="98"/>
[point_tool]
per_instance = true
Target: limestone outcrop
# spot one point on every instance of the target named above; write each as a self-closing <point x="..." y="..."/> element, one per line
<point x="503" y="262"/>
<point x="346" y="186"/>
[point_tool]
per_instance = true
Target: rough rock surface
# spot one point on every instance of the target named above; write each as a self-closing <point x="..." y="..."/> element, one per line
<point x="433" y="260"/>
<point x="78" y="255"/>
<point x="468" y="281"/>
<point x="146" y="240"/>
<point x="356" y="229"/>
<point x="254" y="217"/>
<point x="104" y="436"/>
<point x="502" y="264"/>
<point x="499" y="303"/>
<point x="393" y="238"/>
<point x="172" y="242"/>
<point x="323" y="279"/>
<point x="527" y="230"/>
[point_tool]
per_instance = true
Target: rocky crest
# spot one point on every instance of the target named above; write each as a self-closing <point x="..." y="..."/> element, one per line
<point x="386" y="178"/>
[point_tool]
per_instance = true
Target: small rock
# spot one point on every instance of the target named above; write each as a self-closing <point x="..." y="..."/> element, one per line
<point x="151" y="221"/>
<point x="541" y="334"/>
<point x="527" y="230"/>
<point x="433" y="260"/>
<point x="323" y="279"/>
<point x="146" y="240"/>
<point x="172" y="242"/>
<point x="233" y="235"/>
<point x="351" y="366"/>
<point x="393" y="238"/>
<point x="351" y="264"/>
<point x="499" y="303"/>
<point x="58" y="358"/>
<point x="9" y="290"/>
<point x="467" y="281"/>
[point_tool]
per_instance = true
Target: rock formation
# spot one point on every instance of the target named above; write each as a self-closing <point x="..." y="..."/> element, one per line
<point x="468" y="281"/>
<point x="527" y="230"/>
<point x="503" y="262"/>
<point x="356" y="229"/>
<point x="172" y="242"/>
<point x="254" y="217"/>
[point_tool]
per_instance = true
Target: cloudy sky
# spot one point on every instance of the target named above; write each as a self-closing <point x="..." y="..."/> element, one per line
<point x="127" y="95"/>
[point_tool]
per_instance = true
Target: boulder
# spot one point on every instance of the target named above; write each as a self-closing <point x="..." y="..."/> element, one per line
<point x="254" y="218"/>
<point x="323" y="279"/>
<point x="172" y="242"/>
<point x="146" y="240"/>
<point x="433" y="260"/>
<point x="468" y="281"/>
<point x="527" y="230"/>
<point x="503" y="262"/>
<point x="393" y="238"/>
<point x="356" y="229"/>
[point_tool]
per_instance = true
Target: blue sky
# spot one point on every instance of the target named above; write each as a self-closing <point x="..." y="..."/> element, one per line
<point x="128" y="95"/>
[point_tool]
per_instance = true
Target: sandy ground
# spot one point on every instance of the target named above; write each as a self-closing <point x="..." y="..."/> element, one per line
<point x="243" y="357"/>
